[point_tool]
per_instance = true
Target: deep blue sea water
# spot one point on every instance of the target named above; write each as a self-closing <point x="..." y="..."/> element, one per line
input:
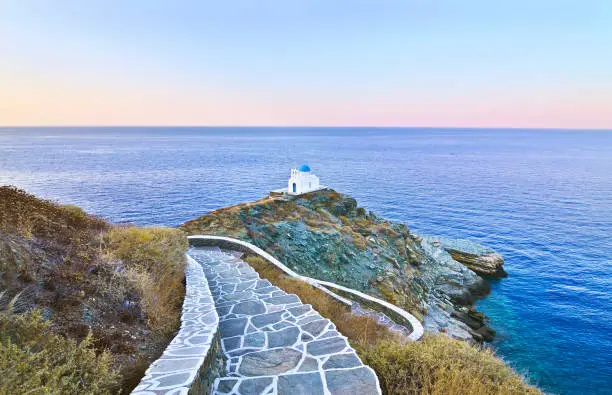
<point x="542" y="198"/>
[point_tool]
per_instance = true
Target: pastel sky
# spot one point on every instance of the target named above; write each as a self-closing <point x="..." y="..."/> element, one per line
<point x="505" y="63"/>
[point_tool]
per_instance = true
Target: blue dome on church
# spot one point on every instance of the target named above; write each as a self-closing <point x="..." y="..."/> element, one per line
<point x="304" y="168"/>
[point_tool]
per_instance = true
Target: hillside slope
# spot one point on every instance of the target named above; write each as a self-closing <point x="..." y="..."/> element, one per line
<point x="75" y="275"/>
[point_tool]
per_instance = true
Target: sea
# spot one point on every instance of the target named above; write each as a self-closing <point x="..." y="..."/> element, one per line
<point x="542" y="198"/>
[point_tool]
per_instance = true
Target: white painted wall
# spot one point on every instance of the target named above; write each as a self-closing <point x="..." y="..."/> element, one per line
<point x="304" y="182"/>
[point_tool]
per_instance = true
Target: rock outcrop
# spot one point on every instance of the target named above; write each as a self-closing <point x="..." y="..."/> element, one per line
<point x="325" y="235"/>
<point x="480" y="259"/>
<point x="488" y="265"/>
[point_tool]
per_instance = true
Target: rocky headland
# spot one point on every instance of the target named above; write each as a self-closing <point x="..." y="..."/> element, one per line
<point x="326" y="235"/>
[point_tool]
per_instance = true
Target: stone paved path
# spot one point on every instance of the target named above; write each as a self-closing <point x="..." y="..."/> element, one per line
<point x="273" y="342"/>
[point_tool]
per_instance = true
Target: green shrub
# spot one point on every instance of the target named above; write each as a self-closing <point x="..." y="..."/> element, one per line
<point x="35" y="360"/>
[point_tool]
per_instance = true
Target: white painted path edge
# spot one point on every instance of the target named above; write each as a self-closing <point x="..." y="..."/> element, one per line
<point x="417" y="328"/>
<point x="179" y="366"/>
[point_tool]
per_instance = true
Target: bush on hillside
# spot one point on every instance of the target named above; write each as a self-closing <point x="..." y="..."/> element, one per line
<point x="35" y="360"/>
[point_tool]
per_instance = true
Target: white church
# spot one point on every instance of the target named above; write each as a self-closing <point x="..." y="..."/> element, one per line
<point x="301" y="181"/>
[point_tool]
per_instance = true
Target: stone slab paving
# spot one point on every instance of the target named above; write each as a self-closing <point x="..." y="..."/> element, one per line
<point x="273" y="342"/>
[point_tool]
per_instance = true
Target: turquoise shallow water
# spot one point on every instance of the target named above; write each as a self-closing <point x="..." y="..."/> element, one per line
<point x="541" y="198"/>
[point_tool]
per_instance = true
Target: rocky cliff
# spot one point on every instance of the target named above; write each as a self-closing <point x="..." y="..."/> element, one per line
<point x="325" y="235"/>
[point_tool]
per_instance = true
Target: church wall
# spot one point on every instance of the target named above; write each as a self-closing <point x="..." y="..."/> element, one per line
<point x="305" y="182"/>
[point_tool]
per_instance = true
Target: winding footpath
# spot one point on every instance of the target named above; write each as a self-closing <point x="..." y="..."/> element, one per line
<point x="274" y="344"/>
<point x="411" y="327"/>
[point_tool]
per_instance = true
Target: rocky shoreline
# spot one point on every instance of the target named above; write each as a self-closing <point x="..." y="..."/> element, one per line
<point x="325" y="235"/>
<point x="455" y="288"/>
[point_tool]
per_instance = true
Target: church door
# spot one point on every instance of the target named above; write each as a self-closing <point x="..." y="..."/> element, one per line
<point x="294" y="188"/>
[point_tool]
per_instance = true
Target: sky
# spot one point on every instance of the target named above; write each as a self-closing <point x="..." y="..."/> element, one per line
<point x="462" y="63"/>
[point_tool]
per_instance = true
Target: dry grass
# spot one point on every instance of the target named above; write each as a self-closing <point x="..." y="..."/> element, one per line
<point x="435" y="365"/>
<point x="388" y="295"/>
<point x="440" y="365"/>
<point x="30" y="217"/>
<point x="122" y="284"/>
<point x="155" y="262"/>
<point x="359" y="241"/>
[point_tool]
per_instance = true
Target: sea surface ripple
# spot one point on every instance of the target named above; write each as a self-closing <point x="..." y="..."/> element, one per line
<point x="542" y="198"/>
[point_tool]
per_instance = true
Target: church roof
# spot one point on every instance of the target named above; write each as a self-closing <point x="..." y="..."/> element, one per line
<point x="304" y="168"/>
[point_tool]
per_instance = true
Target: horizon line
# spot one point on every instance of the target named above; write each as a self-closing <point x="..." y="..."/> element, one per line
<point x="310" y="127"/>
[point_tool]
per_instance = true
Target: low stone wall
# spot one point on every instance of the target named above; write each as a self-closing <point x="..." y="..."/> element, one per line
<point x="396" y="313"/>
<point x="192" y="360"/>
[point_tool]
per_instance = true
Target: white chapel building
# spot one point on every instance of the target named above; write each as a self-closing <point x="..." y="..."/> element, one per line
<point x="301" y="181"/>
